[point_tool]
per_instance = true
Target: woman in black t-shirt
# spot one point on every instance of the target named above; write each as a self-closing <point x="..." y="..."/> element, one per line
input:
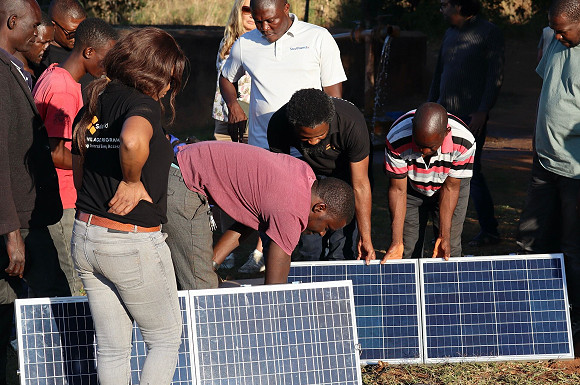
<point x="121" y="162"/>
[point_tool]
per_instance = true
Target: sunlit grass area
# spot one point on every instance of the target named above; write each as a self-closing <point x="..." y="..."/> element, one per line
<point x="215" y="12"/>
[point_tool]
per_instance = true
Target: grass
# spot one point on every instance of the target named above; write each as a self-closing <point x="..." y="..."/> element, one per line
<point x="509" y="373"/>
<point x="216" y="12"/>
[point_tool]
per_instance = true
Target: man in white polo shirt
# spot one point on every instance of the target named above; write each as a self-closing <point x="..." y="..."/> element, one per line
<point x="429" y="159"/>
<point x="282" y="55"/>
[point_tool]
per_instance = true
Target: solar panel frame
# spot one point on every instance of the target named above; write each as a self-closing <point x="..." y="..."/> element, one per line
<point x="183" y="375"/>
<point x="302" y="345"/>
<point x="55" y="368"/>
<point x="510" y="335"/>
<point x="368" y="328"/>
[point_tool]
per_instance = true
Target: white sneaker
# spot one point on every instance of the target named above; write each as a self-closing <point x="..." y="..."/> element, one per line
<point x="229" y="262"/>
<point x="254" y="264"/>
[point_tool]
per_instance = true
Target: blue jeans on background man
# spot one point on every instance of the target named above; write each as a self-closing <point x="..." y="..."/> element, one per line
<point x="129" y="276"/>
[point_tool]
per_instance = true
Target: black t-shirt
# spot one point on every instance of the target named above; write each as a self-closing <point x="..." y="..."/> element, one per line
<point x="102" y="169"/>
<point x="348" y="140"/>
<point x="57" y="54"/>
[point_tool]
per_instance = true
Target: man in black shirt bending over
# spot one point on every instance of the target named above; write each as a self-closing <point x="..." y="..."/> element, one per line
<point x="332" y="136"/>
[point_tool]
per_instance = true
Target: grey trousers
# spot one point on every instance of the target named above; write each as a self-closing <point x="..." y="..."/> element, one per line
<point x="419" y="208"/>
<point x="61" y="234"/>
<point x="189" y="238"/>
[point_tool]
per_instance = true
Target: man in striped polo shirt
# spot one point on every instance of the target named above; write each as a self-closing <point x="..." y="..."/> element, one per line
<point x="429" y="159"/>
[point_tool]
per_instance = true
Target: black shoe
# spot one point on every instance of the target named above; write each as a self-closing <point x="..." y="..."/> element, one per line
<point x="483" y="239"/>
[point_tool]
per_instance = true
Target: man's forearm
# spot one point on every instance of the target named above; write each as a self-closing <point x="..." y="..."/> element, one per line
<point x="363" y="207"/>
<point x="229" y="241"/>
<point x="61" y="156"/>
<point x="277" y="265"/>
<point x="398" y="209"/>
<point x="228" y="91"/>
<point x="447" y="203"/>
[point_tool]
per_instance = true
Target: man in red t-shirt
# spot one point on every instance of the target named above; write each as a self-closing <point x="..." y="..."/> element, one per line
<point x="58" y="97"/>
<point x="276" y="194"/>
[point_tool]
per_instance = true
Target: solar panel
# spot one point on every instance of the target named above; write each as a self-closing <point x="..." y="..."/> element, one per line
<point x="56" y="340"/>
<point x="386" y="299"/>
<point x="495" y="308"/>
<point x="183" y="374"/>
<point x="278" y="334"/>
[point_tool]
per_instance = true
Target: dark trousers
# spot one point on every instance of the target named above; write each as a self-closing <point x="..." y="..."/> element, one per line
<point x="42" y="273"/>
<point x="479" y="191"/>
<point x="42" y="270"/>
<point x="549" y="222"/>
<point x="420" y="208"/>
<point x="334" y="245"/>
<point x="6" y="314"/>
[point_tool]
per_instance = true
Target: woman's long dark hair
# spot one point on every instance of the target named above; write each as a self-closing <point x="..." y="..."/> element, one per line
<point x="146" y="59"/>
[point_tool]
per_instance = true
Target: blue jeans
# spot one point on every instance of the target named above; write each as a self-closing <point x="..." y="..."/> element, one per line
<point x="129" y="276"/>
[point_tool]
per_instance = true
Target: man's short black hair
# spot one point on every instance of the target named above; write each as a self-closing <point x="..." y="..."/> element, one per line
<point x="71" y="8"/>
<point x="46" y="21"/>
<point x="338" y="196"/>
<point x="266" y="4"/>
<point x="468" y="7"/>
<point x="309" y="108"/>
<point x="568" y="8"/>
<point x="94" y="32"/>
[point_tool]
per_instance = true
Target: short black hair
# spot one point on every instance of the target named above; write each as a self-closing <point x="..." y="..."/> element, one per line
<point x="70" y="8"/>
<point x="309" y="108"/>
<point x="569" y="8"/>
<point x="338" y="196"/>
<point x="46" y="21"/>
<point x="266" y="4"/>
<point x="94" y="32"/>
<point x="468" y="7"/>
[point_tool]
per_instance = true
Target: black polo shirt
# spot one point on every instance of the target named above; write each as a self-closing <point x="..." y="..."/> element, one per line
<point x="348" y="140"/>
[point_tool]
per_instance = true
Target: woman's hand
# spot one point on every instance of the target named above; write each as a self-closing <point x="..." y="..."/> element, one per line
<point x="127" y="197"/>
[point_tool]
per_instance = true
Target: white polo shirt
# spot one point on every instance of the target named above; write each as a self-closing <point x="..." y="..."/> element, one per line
<point x="306" y="56"/>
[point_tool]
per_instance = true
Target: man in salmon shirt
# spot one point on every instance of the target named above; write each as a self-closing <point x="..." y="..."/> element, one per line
<point x="276" y="194"/>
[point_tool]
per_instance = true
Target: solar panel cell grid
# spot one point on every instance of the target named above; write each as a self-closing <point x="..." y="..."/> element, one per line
<point x="495" y="308"/>
<point x="59" y="349"/>
<point x="294" y="336"/>
<point x="386" y="302"/>
<point x="183" y="369"/>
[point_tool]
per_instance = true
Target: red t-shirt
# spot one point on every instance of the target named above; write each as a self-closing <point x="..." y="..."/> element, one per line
<point x="262" y="190"/>
<point x="58" y="98"/>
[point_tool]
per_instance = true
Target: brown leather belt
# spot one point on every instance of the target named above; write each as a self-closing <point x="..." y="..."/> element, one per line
<point x="92" y="219"/>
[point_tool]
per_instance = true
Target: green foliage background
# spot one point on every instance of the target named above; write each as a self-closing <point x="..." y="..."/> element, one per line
<point x="422" y="15"/>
